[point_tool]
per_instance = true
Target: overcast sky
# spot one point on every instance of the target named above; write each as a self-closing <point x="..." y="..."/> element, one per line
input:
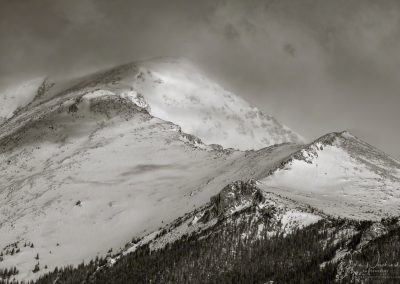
<point x="317" y="65"/>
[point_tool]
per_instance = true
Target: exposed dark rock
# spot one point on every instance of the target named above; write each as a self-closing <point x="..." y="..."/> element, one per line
<point x="193" y="139"/>
<point x="231" y="196"/>
<point x="73" y="108"/>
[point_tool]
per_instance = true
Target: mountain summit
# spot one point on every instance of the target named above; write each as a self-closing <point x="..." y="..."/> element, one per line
<point x="131" y="153"/>
<point x="175" y="90"/>
<point x="340" y="175"/>
<point x="88" y="158"/>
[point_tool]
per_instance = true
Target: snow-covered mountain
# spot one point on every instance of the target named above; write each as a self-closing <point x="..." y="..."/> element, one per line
<point x="244" y="235"/>
<point x="341" y="175"/>
<point x="237" y="198"/>
<point x="89" y="163"/>
<point x="177" y="91"/>
<point x="17" y="96"/>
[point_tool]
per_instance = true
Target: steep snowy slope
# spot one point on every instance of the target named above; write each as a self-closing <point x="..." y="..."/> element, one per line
<point x="17" y="96"/>
<point x="86" y="164"/>
<point x="175" y="90"/>
<point x="103" y="155"/>
<point x="246" y="236"/>
<point x="237" y="198"/>
<point x="340" y="175"/>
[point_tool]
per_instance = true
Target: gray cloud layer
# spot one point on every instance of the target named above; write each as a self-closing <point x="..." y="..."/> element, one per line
<point x="318" y="65"/>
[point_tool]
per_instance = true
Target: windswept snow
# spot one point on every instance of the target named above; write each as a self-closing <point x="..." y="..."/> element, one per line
<point x="17" y="96"/>
<point x="344" y="177"/>
<point x="119" y="153"/>
<point x="177" y="91"/>
<point x="295" y="219"/>
<point x="269" y="214"/>
<point x="97" y="165"/>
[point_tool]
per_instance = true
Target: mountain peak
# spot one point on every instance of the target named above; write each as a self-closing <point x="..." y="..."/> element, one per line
<point x="119" y="152"/>
<point x="235" y="195"/>
<point x="340" y="174"/>
<point x="176" y="90"/>
<point x="330" y="138"/>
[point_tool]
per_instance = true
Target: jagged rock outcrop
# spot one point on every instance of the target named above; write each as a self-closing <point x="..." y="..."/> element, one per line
<point x="235" y="196"/>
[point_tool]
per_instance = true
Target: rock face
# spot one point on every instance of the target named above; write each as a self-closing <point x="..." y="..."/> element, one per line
<point x="236" y="196"/>
<point x="263" y="214"/>
<point x="265" y="238"/>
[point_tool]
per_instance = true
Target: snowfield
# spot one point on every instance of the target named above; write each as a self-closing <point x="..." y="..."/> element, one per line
<point x="235" y="199"/>
<point x="177" y="91"/>
<point x="340" y="175"/>
<point x="95" y="161"/>
<point x="104" y="167"/>
<point x="17" y="96"/>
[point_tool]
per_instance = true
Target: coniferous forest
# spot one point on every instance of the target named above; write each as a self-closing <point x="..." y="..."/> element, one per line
<point x="229" y="253"/>
<point x="229" y="247"/>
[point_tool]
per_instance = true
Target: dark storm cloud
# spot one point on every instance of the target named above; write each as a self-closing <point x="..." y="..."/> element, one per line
<point x="231" y="33"/>
<point x="289" y="48"/>
<point x="317" y="65"/>
<point x="58" y="36"/>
